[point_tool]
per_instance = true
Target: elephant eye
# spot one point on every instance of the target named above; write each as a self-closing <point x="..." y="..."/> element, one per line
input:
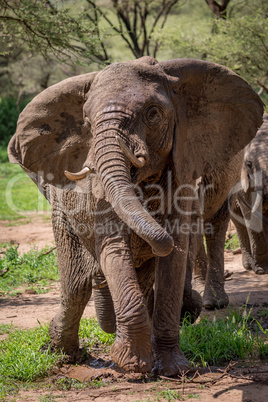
<point x="248" y="165"/>
<point x="153" y="115"/>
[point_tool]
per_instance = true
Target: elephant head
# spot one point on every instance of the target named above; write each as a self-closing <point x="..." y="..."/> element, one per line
<point x="254" y="172"/>
<point x="127" y="121"/>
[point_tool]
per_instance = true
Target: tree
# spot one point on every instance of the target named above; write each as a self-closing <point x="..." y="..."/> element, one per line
<point x="47" y="29"/>
<point x="35" y="35"/>
<point x="220" y="10"/>
<point x="135" y="22"/>
<point x="239" y="42"/>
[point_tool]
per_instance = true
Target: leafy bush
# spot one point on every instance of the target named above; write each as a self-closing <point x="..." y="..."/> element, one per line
<point x="3" y="154"/>
<point x="8" y="118"/>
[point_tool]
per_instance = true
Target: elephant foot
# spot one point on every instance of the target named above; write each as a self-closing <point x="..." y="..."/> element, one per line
<point x="247" y="262"/>
<point x="65" y="341"/>
<point x="192" y="306"/>
<point x="260" y="270"/>
<point x="215" y="299"/>
<point x="255" y="267"/>
<point x="133" y="356"/>
<point x="170" y="363"/>
<point x="247" y="266"/>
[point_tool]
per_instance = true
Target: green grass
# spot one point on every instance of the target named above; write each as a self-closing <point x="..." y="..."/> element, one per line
<point x="18" y="194"/>
<point x="22" y="361"/>
<point x="221" y="340"/>
<point x="93" y="335"/>
<point x="5" y="328"/>
<point x="232" y="243"/>
<point x="21" y="358"/>
<point x="32" y="270"/>
<point x="206" y="343"/>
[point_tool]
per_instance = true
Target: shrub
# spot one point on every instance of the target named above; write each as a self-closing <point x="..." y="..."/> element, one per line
<point x="8" y="118"/>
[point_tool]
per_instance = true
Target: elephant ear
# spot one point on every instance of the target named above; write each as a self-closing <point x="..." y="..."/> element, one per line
<point x="51" y="136"/>
<point x="217" y="114"/>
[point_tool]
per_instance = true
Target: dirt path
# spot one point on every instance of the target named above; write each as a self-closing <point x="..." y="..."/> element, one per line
<point x="239" y="384"/>
<point x="36" y="233"/>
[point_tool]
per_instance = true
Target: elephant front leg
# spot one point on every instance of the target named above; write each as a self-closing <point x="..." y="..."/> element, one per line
<point x="169" y="289"/>
<point x="132" y="349"/>
<point x="75" y="267"/>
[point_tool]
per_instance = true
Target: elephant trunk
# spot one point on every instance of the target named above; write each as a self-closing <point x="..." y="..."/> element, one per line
<point x="114" y="171"/>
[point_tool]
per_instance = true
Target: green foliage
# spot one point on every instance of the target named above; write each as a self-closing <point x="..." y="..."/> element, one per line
<point x="47" y="28"/>
<point x="132" y="22"/>
<point x="32" y="269"/>
<point x="24" y="356"/>
<point x="18" y="193"/>
<point x="221" y="340"/>
<point x="93" y="335"/>
<point x="8" y="389"/>
<point x="232" y="242"/>
<point x="21" y="358"/>
<point x="170" y="394"/>
<point x="3" y="155"/>
<point x="70" y="383"/>
<point x="240" y="42"/>
<point x="213" y="343"/>
<point x="8" y="120"/>
<point x="5" y="328"/>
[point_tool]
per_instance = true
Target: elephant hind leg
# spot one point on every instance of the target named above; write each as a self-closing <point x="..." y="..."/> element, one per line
<point x="192" y="301"/>
<point x="214" y="293"/>
<point x="200" y="269"/>
<point x="75" y="266"/>
<point x="104" y="304"/>
<point x="146" y="278"/>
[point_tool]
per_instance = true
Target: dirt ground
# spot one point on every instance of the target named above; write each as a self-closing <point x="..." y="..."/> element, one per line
<point x="241" y="382"/>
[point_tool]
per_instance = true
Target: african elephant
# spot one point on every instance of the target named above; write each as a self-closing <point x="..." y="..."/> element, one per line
<point x="208" y="266"/>
<point x="250" y="212"/>
<point x="138" y="134"/>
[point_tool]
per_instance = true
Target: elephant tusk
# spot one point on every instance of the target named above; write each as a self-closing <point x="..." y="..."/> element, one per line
<point x="256" y="203"/>
<point x="138" y="162"/>
<point x="77" y="176"/>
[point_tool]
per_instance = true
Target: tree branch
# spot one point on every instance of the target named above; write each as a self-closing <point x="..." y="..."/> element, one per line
<point x="218" y="9"/>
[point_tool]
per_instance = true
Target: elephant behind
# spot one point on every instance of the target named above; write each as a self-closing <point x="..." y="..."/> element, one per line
<point x="248" y="209"/>
<point x="208" y="265"/>
<point x="132" y="139"/>
<point x="250" y="213"/>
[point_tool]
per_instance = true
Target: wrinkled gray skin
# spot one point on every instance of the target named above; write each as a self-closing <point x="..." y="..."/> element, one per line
<point x="248" y="168"/>
<point x="175" y="117"/>
<point x="252" y="226"/>
<point x="208" y="272"/>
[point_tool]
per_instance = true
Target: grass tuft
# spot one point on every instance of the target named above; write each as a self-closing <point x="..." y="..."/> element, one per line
<point x="31" y="269"/>
<point x="93" y="335"/>
<point x="232" y="242"/>
<point x="21" y="358"/>
<point x="218" y="341"/>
